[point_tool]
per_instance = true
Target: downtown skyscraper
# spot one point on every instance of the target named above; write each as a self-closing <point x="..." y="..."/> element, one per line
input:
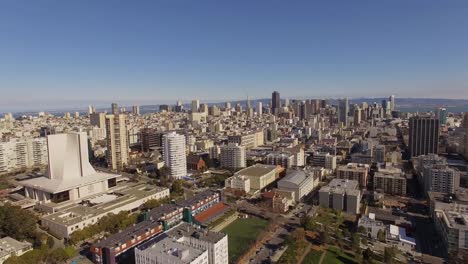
<point x="343" y="109"/>
<point x="275" y="102"/>
<point x="423" y="136"/>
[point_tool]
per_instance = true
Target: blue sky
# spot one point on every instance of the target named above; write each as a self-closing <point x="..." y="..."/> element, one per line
<point x="65" y="53"/>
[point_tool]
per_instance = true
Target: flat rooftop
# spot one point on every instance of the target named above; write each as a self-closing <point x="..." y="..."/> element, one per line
<point x="257" y="170"/>
<point x="171" y="250"/>
<point x="59" y="185"/>
<point x="187" y="230"/>
<point x="77" y="213"/>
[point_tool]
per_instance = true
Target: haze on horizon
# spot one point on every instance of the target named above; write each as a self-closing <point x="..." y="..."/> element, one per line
<point x="58" y="52"/>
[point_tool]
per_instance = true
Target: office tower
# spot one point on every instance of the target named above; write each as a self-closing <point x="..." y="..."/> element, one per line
<point x="203" y="108"/>
<point x="385" y="106"/>
<point x="98" y="119"/>
<point x="357" y="116"/>
<point x="195" y="105"/>
<point x="47" y="130"/>
<point x="228" y="106"/>
<point x="233" y="156"/>
<point x="136" y="110"/>
<point x="423" y="135"/>
<point x="91" y="109"/>
<point x="275" y="103"/>
<point x="117" y="141"/>
<point x="164" y="107"/>
<point x="343" y="109"/>
<point x="115" y="109"/>
<point x="259" y="108"/>
<point x="150" y="139"/>
<point x="441" y="114"/>
<point x="174" y="154"/>
<point x="286" y="102"/>
<point x="379" y="153"/>
<point x="179" y="107"/>
<point x="391" y="100"/>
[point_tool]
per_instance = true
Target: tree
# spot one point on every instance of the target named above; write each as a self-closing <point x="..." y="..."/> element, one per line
<point x="50" y="242"/>
<point x="361" y="230"/>
<point x="340" y="239"/>
<point x="367" y="256"/>
<point x="459" y="256"/>
<point x="17" y="223"/>
<point x="298" y="234"/>
<point x="364" y="241"/>
<point x="390" y="254"/>
<point x="324" y="237"/>
<point x="381" y="235"/>
<point x="356" y="242"/>
<point x="176" y="188"/>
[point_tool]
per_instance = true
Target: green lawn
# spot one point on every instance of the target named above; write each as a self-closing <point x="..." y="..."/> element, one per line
<point x="335" y="256"/>
<point x="241" y="234"/>
<point x="4" y="185"/>
<point x="313" y="257"/>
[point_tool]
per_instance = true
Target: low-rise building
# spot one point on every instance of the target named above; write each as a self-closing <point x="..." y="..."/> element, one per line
<point x="184" y="244"/>
<point x="301" y="182"/>
<point x="260" y="175"/>
<point x="238" y="183"/>
<point x="396" y="236"/>
<point x="78" y="216"/>
<point x="12" y="247"/>
<point x="371" y="225"/>
<point x="341" y="194"/>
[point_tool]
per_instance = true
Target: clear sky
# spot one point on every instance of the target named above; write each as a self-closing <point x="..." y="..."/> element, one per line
<point x="55" y="53"/>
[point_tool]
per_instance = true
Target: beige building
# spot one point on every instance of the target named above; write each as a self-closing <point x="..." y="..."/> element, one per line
<point x="354" y="171"/>
<point x="117" y="141"/>
<point x="238" y="182"/>
<point x="260" y="175"/>
<point x="390" y="182"/>
<point x="232" y="156"/>
<point x="12" y="247"/>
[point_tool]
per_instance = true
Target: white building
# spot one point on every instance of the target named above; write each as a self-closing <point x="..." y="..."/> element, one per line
<point x="70" y="176"/>
<point x="12" y="247"/>
<point x="26" y="153"/>
<point x="233" y="156"/>
<point x="440" y="178"/>
<point x="300" y="182"/>
<point x="238" y="182"/>
<point x="169" y="251"/>
<point x="200" y="246"/>
<point x="341" y="194"/>
<point x="259" y="108"/>
<point x="174" y="154"/>
<point x="371" y="225"/>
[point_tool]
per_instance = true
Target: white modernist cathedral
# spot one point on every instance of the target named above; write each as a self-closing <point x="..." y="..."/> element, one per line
<point x="70" y="176"/>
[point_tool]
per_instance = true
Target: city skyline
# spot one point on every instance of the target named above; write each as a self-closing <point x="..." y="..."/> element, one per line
<point x="153" y="51"/>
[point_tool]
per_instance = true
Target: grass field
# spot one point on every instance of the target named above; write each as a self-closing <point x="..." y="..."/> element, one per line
<point x="313" y="257"/>
<point x="334" y="255"/>
<point x="241" y="234"/>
